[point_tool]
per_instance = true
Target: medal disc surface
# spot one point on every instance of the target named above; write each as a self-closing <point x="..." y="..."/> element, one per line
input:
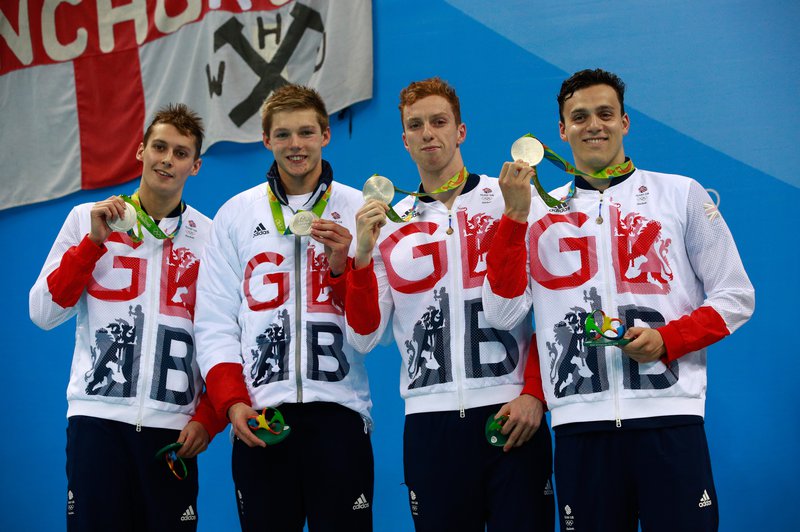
<point x="126" y="223"/>
<point x="527" y="149"/>
<point x="301" y="223"/>
<point x="379" y="188"/>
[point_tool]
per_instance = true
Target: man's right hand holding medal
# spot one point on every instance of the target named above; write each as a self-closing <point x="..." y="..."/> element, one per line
<point x="369" y="220"/>
<point x="515" y="183"/>
<point x="103" y="213"/>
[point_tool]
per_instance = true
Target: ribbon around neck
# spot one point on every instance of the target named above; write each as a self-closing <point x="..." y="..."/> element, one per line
<point x="458" y="179"/>
<point x="145" y="220"/>
<point x="559" y="162"/>
<point x="277" y="212"/>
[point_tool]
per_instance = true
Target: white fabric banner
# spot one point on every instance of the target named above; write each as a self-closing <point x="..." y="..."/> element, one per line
<point x="79" y="84"/>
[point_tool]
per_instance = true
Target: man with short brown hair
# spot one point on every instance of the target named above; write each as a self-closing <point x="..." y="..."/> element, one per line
<point x="128" y="269"/>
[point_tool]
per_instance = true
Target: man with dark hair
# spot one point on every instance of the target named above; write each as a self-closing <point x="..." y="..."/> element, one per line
<point x="271" y="334"/>
<point x="135" y="387"/>
<point x="423" y="272"/>
<point x="631" y="276"/>
<point x="587" y="78"/>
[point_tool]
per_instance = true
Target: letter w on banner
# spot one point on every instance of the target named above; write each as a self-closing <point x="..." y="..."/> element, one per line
<point x="80" y="78"/>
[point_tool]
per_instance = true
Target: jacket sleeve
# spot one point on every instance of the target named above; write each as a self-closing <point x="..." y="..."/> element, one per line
<point x="226" y="387"/>
<point x="338" y="285"/>
<point x="65" y="275"/>
<point x="533" y="374"/>
<point x="506" y="292"/>
<point x="208" y="417"/>
<point x="216" y="325"/>
<point x="369" y="305"/>
<point x="729" y="296"/>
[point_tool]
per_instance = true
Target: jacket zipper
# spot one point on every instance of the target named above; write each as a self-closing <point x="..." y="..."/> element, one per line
<point x="616" y="361"/>
<point x="298" y="322"/>
<point x="458" y="366"/>
<point x="152" y="310"/>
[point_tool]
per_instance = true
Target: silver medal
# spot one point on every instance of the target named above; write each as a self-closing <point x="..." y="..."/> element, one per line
<point x="527" y="149"/>
<point x="379" y="188"/>
<point x="125" y="223"/>
<point x="301" y="223"/>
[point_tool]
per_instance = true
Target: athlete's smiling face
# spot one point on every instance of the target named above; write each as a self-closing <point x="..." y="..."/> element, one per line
<point x="168" y="159"/>
<point x="594" y="125"/>
<point x="296" y="140"/>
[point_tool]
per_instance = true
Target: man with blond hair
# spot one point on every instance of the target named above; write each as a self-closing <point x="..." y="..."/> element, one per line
<point x="271" y="334"/>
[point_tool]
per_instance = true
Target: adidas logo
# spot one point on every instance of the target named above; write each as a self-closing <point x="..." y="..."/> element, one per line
<point x="260" y="230"/>
<point x="361" y="503"/>
<point x="189" y="514"/>
<point x="548" y="488"/>
<point x="705" y="500"/>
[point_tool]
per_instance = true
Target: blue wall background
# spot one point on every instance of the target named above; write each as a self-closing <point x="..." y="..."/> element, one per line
<point x="712" y="94"/>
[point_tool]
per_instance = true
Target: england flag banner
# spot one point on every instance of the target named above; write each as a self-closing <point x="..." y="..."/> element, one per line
<point x="79" y="79"/>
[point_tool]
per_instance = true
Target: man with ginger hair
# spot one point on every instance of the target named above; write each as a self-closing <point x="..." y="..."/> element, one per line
<point x="420" y="267"/>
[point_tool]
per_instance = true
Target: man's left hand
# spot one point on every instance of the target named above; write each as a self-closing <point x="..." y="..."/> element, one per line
<point x="646" y="345"/>
<point x="194" y="438"/>
<point x="524" y="417"/>
<point x="336" y="239"/>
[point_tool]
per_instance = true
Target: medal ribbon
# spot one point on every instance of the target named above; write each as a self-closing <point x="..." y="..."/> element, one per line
<point x="608" y="172"/>
<point x="277" y="212"/>
<point x="454" y="182"/>
<point x="144" y="219"/>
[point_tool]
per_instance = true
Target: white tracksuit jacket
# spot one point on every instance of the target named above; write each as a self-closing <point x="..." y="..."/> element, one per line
<point x="264" y="304"/>
<point x="134" y="358"/>
<point x="428" y="284"/>
<point x="662" y="257"/>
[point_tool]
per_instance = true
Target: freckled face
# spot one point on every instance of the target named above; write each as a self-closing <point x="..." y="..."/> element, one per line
<point x="432" y="136"/>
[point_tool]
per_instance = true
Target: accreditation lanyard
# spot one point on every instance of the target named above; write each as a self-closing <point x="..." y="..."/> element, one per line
<point x="608" y="172"/>
<point x="277" y="211"/>
<point x="144" y="219"/>
<point x="454" y="182"/>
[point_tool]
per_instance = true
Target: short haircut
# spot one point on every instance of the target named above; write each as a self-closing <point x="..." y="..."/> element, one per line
<point x="293" y="98"/>
<point x="182" y="118"/>
<point x="588" y="78"/>
<point x="435" y="86"/>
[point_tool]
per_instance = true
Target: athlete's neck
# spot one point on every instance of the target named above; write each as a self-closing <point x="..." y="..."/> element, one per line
<point x="297" y="186"/>
<point x="434" y="180"/>
<point x="157" y="206"/>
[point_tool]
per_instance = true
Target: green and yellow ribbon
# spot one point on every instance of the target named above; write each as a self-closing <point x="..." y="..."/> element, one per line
<point x="608" y="172"/>
<point x="277" y="212"/>
<point x="144" y="219"/>
<point x="454" y="182"/>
